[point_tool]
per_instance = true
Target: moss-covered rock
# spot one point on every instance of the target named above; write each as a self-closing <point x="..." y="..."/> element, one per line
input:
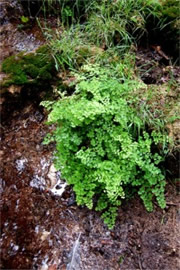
<point x="32" y="68"/>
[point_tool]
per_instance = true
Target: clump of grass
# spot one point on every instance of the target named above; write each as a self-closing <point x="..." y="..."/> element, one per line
<point x="109" y="26"/>
<point x="120" y="22"/>
<point x="68" y="11"/>
<point x="65" y="49"/>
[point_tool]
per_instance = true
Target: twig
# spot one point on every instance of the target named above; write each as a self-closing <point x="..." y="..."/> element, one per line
<point x="171" y="203"/>
<point x="139" y="262"/>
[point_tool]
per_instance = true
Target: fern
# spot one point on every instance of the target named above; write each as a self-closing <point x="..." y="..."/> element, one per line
<point x="102" y="144"/>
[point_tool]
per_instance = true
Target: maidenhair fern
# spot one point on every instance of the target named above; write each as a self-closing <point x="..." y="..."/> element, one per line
<point x="102" y="144"/>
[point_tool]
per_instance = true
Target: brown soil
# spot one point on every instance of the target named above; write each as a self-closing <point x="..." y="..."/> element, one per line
<point x="155" y="67"/>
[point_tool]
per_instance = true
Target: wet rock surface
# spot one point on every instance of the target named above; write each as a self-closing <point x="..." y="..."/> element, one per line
<point x="39" y="226"/>
<point x="20" y="41"/>
<point x="14" y="35"/>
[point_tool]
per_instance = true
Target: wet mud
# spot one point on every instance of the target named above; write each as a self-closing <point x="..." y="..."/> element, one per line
<point x="155" y="67"/>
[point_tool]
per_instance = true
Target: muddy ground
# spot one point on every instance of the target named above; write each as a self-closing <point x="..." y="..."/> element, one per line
<point x="40" y="227"/>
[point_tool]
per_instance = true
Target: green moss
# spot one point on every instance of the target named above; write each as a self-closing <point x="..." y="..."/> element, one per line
<point x="170" y="8"/>
<point x="45" y="73"/>
<point x="13" y="66"/>
<point x="29" y="68"/>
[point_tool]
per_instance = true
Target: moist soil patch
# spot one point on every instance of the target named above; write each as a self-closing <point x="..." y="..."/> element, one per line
<point x="155" y="67"/>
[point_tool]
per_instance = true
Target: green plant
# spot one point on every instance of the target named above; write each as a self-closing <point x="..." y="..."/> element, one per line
<point x="109" y="28"/>
<point x="32" y="68"/>
<point x="65" y="49"/>
<point x="170" y="8"/>
<point x="102" y="143"/>
<point x="120" y="22"/>
<point x="73" y="49"/>
<point x="68" y="11"/>
<point x="24" y="19"/>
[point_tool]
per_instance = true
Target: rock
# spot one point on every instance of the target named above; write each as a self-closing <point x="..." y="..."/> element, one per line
<point x="10" y="10"/>
<point x="14" y="89"/>
<point x="44" y="235"/>
<point x="52" y="176"/>
<point x="57" y="186"/>
<point x="33" y="68"/>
